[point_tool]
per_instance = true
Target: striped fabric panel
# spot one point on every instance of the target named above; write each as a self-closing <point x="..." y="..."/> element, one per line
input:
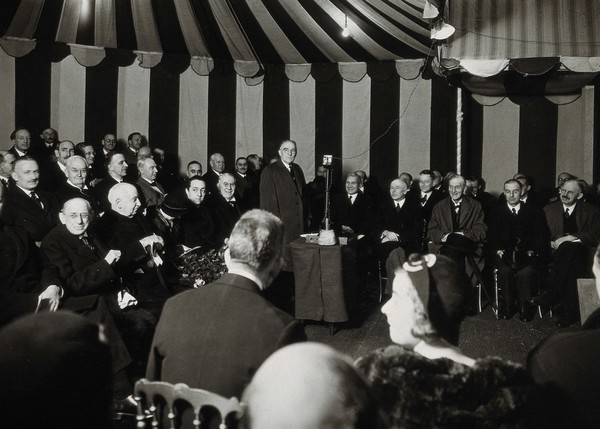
<point x="193" y="116"/>
<point x="7" y="96"/>
<point x="194" y="40"/>
<point x="67" y="92"/>
<point x="234" y="38"/>
<point x="25" y="20"/>
<point x="105" y="28"/>
<point x="67" y="28"/>
<point x="144" y="23"/>
<point x="516" y="29"/>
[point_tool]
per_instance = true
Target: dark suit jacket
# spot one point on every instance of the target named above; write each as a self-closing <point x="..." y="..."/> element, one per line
<point x="216" y="337"/>
<point x="68" y="191"/>
<point x="587" y="217"/>
<point x="406" y="223"/>
<point x="435" y="197"/>
<point x="224" y="215"/>
<point x="529" y="226"/>
<point x="14" y="152"/>
<point x="247" y="189"/>
<point x="470" y="221"/>
<point x="148" y="195"/>
<point x="101" y="191"/>
<point x="20" y="210"/>
<point x="567" y="364"/>
<point x="51" y="176"/>
<point x="357" y="216"/>
<point x="82" y="270"/>
<point x="280" y="196"/>
<point x="41" y="153"/>
<point x="197" y="227"/>
<point x="211" y="178"/>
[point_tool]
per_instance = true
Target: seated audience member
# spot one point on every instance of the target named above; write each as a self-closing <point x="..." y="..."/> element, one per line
<point x="217" y="168"/>
<point x="134" y="143"/>
<point x="398" y="222"/>
<point x="194" y="168"/>
<point x="217" y="336"/>
<point x="456" y="227"/>
<point x="408" y="179"/>
<point x="528" y="194"/>
<point x="53" y="174"/>
<point x="476" y="190"/>
<point x="246" y="184"/>
<point x="94" y="173"/>
<point x="7" y="164"/>
<point x="116" y="168"/>
<point x="351" y="211"/>
<point x="25" y="205"/>
<point x="197" y="227"/>
<point x="144" y="153"/>
<point x="574" y="231"/>
<point x="309" y="385"/>
<point x="124" y="228"/>
<point x="55" y="372"/>
<point x="370" y="188"/>
<point x="76" y="187"/>
<point x="21" y="140"/>
<point x="567" y="363"/>
<point x="316" y="195"/>
<point x="43" y="150"/>
<point x="518" y="247"/>
<point x="108" y="145"/>
<point x="255" y="164"/>
<point x="168" y="169"/>
<point x="425" y="381"/>
<point x="225" y="207"/>
<point x="428" y="199"/>
<point x="151" y="193"/>
<point x="560" y="180"/>
<point x="438" y="182"/>
<point x="166" y="223"/>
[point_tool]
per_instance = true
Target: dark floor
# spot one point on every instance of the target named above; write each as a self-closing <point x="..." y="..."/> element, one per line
<point x="481" y="335"/>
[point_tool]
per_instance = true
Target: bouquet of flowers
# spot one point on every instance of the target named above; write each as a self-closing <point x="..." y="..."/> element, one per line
<point x="199" y="266"/>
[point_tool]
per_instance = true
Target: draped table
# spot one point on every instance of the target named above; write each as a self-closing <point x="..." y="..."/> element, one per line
<point x="326" y="280"/>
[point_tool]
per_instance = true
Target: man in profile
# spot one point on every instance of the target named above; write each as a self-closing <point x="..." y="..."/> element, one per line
<point x="216" y="337"/>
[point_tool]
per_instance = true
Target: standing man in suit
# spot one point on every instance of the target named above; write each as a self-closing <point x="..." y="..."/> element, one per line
<point x="211" y="177"/>
<point x="134" y="144"/>
<point x="574" y="233"/>
<point x="21" y="140"/>
<point x="282" y="192"/>
<point x="456" y="227"/>
<point x="216" y="337"/>
<point x="517" y="244"/>
<point x="26" y="206"/>
<point x="152" y="193"/>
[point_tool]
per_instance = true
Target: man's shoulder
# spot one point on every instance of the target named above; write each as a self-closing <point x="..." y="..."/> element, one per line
<point x="554" y="207"/>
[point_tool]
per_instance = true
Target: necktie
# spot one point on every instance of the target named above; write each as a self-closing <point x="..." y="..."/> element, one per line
<point x="35" y="198"/>
<point x="397" y="207"/>
<point x="514" y="212"/>
<point x="87" y="242"/>
<point x="424" y="199"/>
<point x="567" y="214"/>
<point x="350" y="199"/>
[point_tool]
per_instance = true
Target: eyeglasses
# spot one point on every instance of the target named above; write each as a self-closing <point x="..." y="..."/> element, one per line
<point x="290" y="151"/>
<point x="567" y="192"/>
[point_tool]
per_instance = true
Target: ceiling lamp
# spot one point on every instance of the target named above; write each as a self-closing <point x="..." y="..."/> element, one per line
<point x="345" y="31"/>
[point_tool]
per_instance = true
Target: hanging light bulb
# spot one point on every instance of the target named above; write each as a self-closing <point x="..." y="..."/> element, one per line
<point x="345" y="31"/>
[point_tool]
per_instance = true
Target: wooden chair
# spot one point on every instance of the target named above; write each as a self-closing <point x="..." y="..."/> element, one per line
<point x="158" y="404"/>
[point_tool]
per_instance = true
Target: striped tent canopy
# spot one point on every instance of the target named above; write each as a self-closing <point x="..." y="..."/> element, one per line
<point x="516" y="47"/>
<point x="200" y="33"/>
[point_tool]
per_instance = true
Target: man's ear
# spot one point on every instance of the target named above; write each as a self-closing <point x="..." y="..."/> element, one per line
<point x="61" y="217"/>
<point x="580" y="196"/>
<point x="14" y="175"/>
<point x="227" y="256"/>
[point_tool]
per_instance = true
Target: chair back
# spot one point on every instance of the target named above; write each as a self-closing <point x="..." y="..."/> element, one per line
<point x="157" y="404"/>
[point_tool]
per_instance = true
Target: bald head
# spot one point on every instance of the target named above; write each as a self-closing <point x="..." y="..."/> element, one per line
<point x="123" y="198"/>
<point x="331" y="392"/>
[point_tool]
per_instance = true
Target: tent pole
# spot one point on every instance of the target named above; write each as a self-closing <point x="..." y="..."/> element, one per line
<point x="459" y="119"/>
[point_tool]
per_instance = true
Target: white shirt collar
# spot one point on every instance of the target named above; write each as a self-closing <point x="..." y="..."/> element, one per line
<point x="63" y="168"/>
<point x="401" y="202"/>
<point x="248" y="275"/>
<point x="288" y="166"/>
<point x="517" y="207"/>
<point x="570" y="208"/>
<point x="20" y="152"/>
<point x="75" y="186"/>
<point x="27" y="191"/>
